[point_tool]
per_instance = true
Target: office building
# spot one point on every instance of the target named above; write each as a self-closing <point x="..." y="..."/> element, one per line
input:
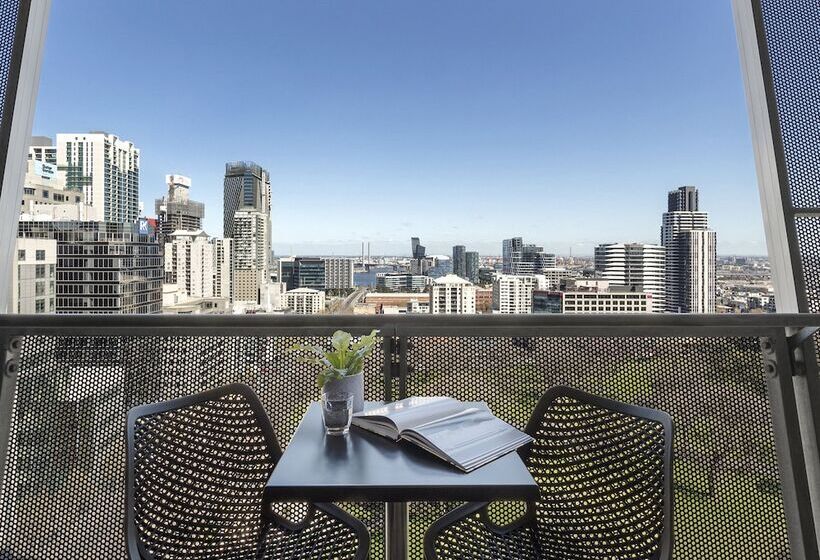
<point x="592" y="295"/>
<point x="486" y="275"/>
<point x="338" y="273"/>
<point x="471" y="263"/>
<point x="452" y="294"/>
<point x="512" y="294"/>
<point x="310" y="273"/>
<point x="394" y="282"/>
<point x="287" y="268"/>
<point x="557" y="277"/>
<point x="189" y="263"/>
<point x="460" y="261"/>
<point x="634" y="264"/>
<point x="419" y="264"/>
<point x="249" y="255"/>
<point x="520" y="258"/>
<point x="687" y="266"/>
<point x="176" y="211"/>
<point x="34" y="276"/>
<point x="106" y="169"/>
<point x="305" y="301"/>
<point x="103" y="267"/>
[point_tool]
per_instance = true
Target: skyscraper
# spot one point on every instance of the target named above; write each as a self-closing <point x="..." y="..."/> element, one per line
<point x="518" y="258"/>
<point x="636" y="265"/>
<point x="690" y="257"/>
<point x="106" y="169"/>
<point x="418" y="257"/>
<point x="459" y="261"/>
<point x="176" y="211"/>
<point x="471" y="260"/>
<point x="246" y="219"/>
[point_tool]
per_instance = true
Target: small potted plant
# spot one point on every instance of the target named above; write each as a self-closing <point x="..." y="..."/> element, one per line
<point x="342" y="366"/>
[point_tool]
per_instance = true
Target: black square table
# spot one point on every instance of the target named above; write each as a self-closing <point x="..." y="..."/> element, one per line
<point x="365" y="467"/>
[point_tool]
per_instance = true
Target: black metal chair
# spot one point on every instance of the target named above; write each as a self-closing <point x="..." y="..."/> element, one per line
<point x="196" y="471"/>
<point x="604" y="469"/>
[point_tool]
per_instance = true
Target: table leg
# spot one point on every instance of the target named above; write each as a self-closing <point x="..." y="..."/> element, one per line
<point x="396" y="530"/>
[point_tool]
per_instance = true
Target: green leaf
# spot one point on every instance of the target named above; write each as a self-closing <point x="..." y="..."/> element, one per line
<point x="341" y="340"/>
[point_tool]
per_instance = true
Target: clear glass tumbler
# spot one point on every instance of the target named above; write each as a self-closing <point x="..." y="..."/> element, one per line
<point x="337" y="412"/>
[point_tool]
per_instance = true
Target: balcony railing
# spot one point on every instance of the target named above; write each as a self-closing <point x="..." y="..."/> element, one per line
<point x="741" y="489"/>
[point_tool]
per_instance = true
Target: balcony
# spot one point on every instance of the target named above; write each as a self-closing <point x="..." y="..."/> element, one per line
<point x="740" y="481"/>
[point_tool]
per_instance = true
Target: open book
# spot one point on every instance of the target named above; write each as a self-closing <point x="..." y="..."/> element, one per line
<point x="465" y="435"/>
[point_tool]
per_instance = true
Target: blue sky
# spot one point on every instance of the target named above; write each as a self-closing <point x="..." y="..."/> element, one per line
<point x="461" y="122"/>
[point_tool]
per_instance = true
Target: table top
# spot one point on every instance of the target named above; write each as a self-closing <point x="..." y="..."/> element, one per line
<point x="363" y="466"/>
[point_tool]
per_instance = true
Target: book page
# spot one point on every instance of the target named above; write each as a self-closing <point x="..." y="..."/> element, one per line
<point x="415" y="411"/>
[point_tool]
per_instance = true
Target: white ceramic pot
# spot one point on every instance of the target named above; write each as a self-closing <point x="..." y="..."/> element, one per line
<point x="353" y="384"/>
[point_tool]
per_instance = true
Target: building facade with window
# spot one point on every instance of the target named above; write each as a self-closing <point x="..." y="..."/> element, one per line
<point x="452" y="294"/>
<point x="338" y="273"/>
<point x="34" y="276"/>
<point x="512" y="293"/>
<point x="634" y="264"/>
<point x="305" y="301"/>
<point x="103" y="267"/>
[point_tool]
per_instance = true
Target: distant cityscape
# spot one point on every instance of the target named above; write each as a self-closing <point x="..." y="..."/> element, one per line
<point x="87" y="245"/>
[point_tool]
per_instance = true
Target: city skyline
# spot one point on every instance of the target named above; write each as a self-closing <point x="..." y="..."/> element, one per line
<point x="534" y="144"/>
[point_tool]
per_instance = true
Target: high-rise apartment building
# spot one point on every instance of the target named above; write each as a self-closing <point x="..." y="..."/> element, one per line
<point x="222" y="267"/>
<point x="45" y="195"/>
<point x="685" y="266"/>
<point x="512" y="294"/>
<point x="418" y="257"/>
<point x="249" y="254"/>
<point x="305" y="301"/>
<point x="452" y="294"/>
<point x="471" y="263"/>
<point x="460" y="261"/>
<point x="638" y="265"/>
<point x="107" y="171"/>
<point x="43" y="149"/>
<point x="103" y="267"/>
<point x="189" y="263"/>
<point x="175" y="210"/>
<point x="511" y="250"/>
<point x="246" y="220"/>
<point x="338" y="273"/>
<point x="34" y="276"/>
<point x="697" y="249"/>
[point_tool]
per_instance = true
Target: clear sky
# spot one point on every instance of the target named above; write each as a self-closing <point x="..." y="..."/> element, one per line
<point x="461" y="122"/>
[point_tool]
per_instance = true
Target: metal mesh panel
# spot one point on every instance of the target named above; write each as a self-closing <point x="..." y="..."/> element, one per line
<point x="808" y="239"/>
<point x="63" y="487"/>
<point x="728" y="501"/>
<point x="792" y="30"/>
<point x="8" y="24"/>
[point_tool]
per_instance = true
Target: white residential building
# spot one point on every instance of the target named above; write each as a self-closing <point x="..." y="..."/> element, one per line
<point x="338" y="273"/>
<point x="33" y="276"/>
<point x="222" y="267"/>
<point x="305" y="301"/>
<point x="272" y="296"/>
<point x="638" y="265"/>
<point x="106" y="169"/>
<point x="687" y="267"/>
<point x="452" y="294"/>
<point x="249" y="255"/>
<point x="189" y="263"/>
<point x="512" y="293"/>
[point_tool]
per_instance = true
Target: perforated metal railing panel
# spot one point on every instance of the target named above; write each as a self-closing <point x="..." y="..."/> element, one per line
<point x="728" y="501"/>
<point x="63" y="486"/>
<point x="8" y="27"/>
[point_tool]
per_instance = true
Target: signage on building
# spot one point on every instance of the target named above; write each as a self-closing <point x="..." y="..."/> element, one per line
<point x="46" y="170"/>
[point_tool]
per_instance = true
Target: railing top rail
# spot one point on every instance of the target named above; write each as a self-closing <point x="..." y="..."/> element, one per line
<point x="405" y="325"/>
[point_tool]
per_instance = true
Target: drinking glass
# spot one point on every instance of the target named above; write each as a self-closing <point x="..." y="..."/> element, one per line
<point x="337" y="412"/>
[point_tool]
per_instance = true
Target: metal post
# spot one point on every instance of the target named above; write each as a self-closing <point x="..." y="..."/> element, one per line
<point x="779" y="213"/>
<point x="22" y="84"/>
<point x="786" y="425"/>
<point x="9" y="369"/>
<point x="396" y="530"/>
